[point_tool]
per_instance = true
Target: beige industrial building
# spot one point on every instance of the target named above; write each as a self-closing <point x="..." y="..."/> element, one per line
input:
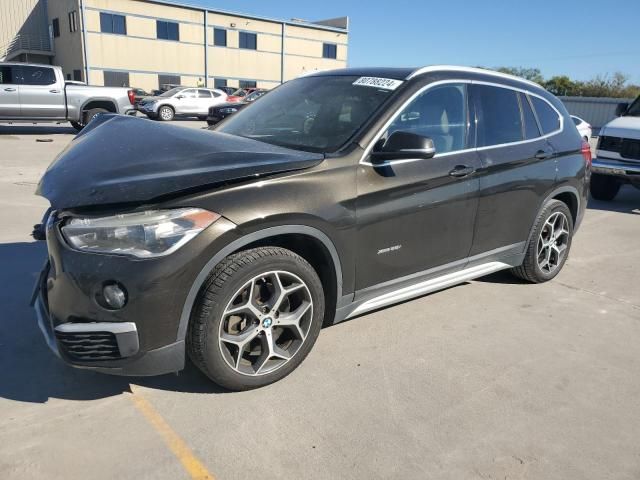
<point x="146" y="43"/>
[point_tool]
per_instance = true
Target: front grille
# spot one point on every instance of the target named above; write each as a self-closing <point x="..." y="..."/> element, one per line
<point x="88" y="346"/>
<point x="610" y="144"/>
<point x="630" y="149"/>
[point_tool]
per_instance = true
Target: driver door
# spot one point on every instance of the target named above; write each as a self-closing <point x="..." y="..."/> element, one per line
<point x="418" y="214"/>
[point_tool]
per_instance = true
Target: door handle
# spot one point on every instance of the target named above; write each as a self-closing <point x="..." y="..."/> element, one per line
<point x="54" y="91"/>
<point x="9" y="89"/>
<point x="543" y="154"/>
<point x="461" y="171"/>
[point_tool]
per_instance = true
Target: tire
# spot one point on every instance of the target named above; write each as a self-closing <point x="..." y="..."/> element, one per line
<point x="91" y="114"/>
<point x="77" y="125"/>
<point x="533" y="268"/>
<point x="166" y="113"/>
<point x="202" y="118"/>
<point x="210" y="123"/>
<point x="256" y="270"/>
<point x="604" y="187"/>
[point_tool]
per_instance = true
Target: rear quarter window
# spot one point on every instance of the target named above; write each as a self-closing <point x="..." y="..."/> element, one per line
<point x="531" y="129"/>
<point x="547" y="116"/>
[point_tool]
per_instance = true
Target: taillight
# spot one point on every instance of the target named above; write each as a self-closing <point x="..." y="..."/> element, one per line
<point x="586" y="153"/>
<point x="132" y="96"/>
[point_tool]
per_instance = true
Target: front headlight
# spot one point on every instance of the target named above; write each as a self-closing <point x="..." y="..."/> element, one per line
<point x="142" y="234"/>
<point x="228" y="110"/>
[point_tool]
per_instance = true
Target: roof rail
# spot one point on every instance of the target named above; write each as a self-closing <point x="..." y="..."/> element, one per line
<point x="438" y="68"/>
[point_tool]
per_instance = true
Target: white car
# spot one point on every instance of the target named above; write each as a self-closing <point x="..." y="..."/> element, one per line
<point x="182" y="101"/>
<point x="583" y="127"/>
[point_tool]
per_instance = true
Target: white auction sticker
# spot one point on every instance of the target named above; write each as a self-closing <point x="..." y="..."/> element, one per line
<point x="385" y="83"/>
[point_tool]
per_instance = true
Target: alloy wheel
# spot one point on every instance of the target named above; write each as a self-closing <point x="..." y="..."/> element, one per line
<point x="553" y="242"/>
<point x="166" y="113"/>
<point x="265" y="323"/>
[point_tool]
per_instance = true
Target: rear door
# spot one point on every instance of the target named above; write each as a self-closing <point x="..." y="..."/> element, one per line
<point x="41" y="96"/>
<point x="415" y="215"/>
<point x="518" y="168"/>
<point x="9" y="92"/>
<point x="205" y="100"/>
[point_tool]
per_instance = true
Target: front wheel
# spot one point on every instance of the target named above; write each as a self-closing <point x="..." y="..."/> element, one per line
<point x="549" y="244"/>
<point x="166" y="113"/>
<point x="256" y="318"/>
<point x="604" y="187"/>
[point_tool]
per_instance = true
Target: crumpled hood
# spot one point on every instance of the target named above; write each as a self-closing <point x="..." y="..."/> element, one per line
<point x="623" y="127"/>
<point x="119" y="159"/>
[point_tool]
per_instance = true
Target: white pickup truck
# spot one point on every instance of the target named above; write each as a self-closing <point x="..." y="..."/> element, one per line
<point x="618" y="153"/>
<point x="38" y="93"/>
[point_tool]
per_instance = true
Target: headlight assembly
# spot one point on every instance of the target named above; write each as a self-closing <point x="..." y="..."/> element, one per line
<point x="228" y="110"/>
<point x="141" y="234"/>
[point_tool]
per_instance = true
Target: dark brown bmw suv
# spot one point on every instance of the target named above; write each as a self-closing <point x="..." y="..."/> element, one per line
<point x="338" y="193"/>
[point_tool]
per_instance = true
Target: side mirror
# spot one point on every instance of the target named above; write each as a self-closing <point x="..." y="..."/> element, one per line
<point x="404" y="145"/>
<point x="621" y="109"/>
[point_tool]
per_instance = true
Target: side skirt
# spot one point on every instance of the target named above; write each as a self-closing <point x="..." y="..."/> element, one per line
<point x="431" y="281"/>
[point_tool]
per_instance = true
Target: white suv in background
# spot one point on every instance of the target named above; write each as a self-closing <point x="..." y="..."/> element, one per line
<point x="183" y="101"/>
<point x="618" y="153"/>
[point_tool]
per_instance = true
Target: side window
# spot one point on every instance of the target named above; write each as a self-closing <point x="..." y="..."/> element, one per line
<point x="439" y="113"/>
<point x="204" y="93"/>
<point x="499" y="119"/>
<point x="38" y="76"/>
<point x="189" y="93"/>
<point x="530" y="125"/>
<point x="549" y="119"/>
<point x="8" y="74"/>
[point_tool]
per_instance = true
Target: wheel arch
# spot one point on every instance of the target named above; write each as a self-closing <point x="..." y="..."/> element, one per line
<point x="308" y="242"/>
<point x="105" y="103"/>
<point x="566" y="194"/>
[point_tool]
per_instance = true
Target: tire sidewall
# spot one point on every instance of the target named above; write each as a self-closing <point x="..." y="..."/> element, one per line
<point x="215" y="364"/>
<point x="550" y="209"/>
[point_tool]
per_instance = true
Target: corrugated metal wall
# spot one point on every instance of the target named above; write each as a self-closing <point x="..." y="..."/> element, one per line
<point x="596" y="111"/>
<point x="26" y="18"/>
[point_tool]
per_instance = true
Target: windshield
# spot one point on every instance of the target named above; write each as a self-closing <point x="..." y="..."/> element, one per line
<point x="254" y="95"/>
<point x="317" y="114"/>
<point x="239" y="93"/>
<point x="171" y="93"/>
<point x="634" y="109"/>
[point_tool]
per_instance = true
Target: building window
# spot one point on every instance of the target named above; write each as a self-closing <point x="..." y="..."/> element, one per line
<point x="329" y="50"/>
<point x="167" y="30"/>
<point x="168" y="80"/>
<point x="77" y="75"/>
<point x="73" y="21"/>
<point x="112" y="23"/>
<point x="68" y="76"/>
<point x="248" y="41"/>
<point x="219" y="82"/>
<point x="220" y="37"/>
<point x="116" y="79"/>
<point x="55" y="27"/>
<point x="248" y="84"/>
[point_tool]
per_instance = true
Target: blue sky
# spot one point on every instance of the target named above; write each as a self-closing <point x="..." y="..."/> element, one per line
<point x="577" y="38"/>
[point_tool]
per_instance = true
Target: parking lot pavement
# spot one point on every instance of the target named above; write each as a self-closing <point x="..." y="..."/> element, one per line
<point x="490" y="379"/>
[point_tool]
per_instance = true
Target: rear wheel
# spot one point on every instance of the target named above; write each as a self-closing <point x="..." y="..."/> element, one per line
<point x="604" y="187"/>
<point x="202" y="118"/>
<point x="549" y="245"/>
<point x="91" y="114"/>
<point x="166" y="113"/>
<point x="256" y="318"/>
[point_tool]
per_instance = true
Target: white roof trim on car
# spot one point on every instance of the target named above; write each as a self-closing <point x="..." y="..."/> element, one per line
<point x="438" y="68"/>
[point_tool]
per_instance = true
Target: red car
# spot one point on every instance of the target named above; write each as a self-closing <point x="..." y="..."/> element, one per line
<point x="239" y="94"/>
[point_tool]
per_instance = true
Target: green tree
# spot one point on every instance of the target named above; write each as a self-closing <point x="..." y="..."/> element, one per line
<point x="562" y="85"/>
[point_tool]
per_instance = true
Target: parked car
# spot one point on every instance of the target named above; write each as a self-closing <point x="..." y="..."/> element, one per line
<point x="218" y="113"/>
<point x="618" y="153"/>
<point x="584" y="129"/>
<point x="31" y="92"/>
<point x="181" y="101"/>
<point x="240" y="93"/>
<point x="236" y="245"/>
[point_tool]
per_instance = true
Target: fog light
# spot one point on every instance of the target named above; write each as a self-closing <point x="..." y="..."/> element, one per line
<point x="113" y="297"/>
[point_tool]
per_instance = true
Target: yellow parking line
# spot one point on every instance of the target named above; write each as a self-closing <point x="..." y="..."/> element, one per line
<point x="180" y="449"/>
